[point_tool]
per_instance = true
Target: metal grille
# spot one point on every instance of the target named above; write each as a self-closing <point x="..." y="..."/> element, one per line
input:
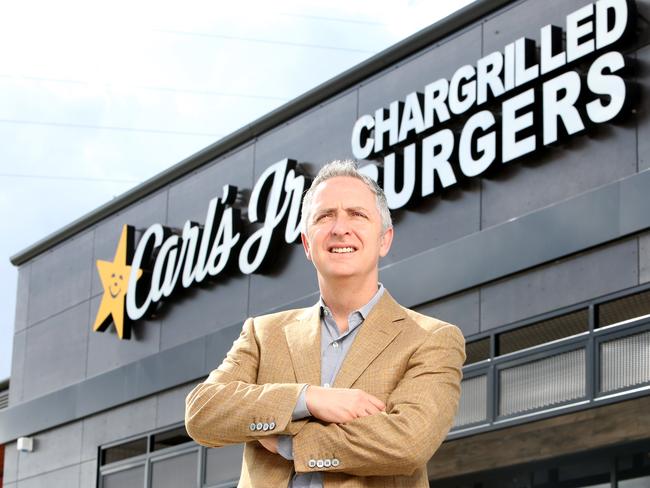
<point x="625" y="308"/>
<point x="625" y="362"/>
<point x="473" y="401"/>
<point x="542" y="383"/>
<point x="4" y="399"/>
<point x="542" y="332"/>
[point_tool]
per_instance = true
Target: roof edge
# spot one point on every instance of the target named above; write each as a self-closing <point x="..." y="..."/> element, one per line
<point x="320" y="93"/>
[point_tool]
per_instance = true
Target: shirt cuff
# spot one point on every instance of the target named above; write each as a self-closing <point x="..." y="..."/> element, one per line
<point x="285" y="447"/>
<point x="300" y="411"/>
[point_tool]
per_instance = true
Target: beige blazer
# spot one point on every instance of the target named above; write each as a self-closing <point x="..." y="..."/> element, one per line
<point x="408" y="360"/>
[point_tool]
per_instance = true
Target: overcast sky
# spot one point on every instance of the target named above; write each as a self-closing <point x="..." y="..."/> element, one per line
<point x="97" y="97"/>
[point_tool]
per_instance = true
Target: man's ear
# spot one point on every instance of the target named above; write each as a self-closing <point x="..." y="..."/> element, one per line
<point x="305" y="245"/>
<point x="385" y="242"/>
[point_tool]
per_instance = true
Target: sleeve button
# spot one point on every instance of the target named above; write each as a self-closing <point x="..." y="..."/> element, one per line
<point x="335" y="462"/>
<point x="312" y="463"/>
<point x="252" y="426"/>
<point x="259" y="426"/>
<point x="265" y="426"/>
<point x="272" y="425"/>
<point x="327" y="463"/>
<point x="319" y="463"/>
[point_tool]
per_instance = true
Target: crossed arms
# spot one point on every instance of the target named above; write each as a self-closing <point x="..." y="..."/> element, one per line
<point x="366" y="438"/>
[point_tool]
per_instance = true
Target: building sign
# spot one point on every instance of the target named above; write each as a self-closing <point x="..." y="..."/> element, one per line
<point x="432" y="139"/>
<point x="137" y="280"/>
<point x="427" y="142"/>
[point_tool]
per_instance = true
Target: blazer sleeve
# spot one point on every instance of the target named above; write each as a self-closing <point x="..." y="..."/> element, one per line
<point x="419" y="413"/>
<point x="230" y="408"/>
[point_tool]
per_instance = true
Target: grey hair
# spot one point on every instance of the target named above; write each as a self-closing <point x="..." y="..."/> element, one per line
<point x="345" y="167"/>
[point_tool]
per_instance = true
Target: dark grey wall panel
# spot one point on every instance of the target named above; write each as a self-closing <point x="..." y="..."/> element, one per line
<point x="63" y="278"/>
<point x="201" y="311"/>
<point x="17" y="367"/>
<point x="298" y="280"/>
<point x="171" y="405"/>
<point x="574" y="279"/>
<point x="22" y="297"/>
<point x="10" y="473"/>
<point x="106" y="351"/>
<point x="435" y="221"/>
<point x="52" y="450"/>
<point x="320" y="135"/>
<point x="584" y="163"/>
<point x="461" y="309"/>
<point x="117" y="424"/>
<point x="67" y="477"/>
<point x="590" y="219"/>
<point x="189" y="197"/>
<point x="56" y="352"/>
<point x="414" y="73"/>
<point x="146" y="212"/>
<point x="644" y="257"/>
<point x="643" y="125"/>
<point x="524" y="19"/>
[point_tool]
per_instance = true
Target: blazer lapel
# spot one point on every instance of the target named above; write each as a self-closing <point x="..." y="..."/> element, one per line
<point x="378" y="330"/>
<point x="303" y="338"/>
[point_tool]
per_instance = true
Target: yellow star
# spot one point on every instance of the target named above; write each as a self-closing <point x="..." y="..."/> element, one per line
<point x="115" y="280"/>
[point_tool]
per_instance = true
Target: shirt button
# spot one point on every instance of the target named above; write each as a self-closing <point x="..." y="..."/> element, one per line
<point x="326" y="385"/>
<point x="335" y="345"/>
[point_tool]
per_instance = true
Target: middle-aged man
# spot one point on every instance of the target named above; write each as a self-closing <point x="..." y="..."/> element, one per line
<point x="356" y="391"/>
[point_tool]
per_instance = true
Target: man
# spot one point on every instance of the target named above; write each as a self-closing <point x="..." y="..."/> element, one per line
<point x="355" y="391"/>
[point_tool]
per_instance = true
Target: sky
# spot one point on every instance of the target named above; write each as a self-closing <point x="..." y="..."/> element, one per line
<point x="97" y="96"/>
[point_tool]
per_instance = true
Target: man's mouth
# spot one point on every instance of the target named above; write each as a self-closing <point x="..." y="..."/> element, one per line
<point x="342" y="250"/>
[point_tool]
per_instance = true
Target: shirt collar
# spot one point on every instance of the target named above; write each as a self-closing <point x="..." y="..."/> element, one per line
<point x="364" y="311"/>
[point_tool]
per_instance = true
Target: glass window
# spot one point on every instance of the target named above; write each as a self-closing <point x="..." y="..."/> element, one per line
<point x="175" y="472"/>
<point x="124" y="451"/>
<point x="127" y="478"/>
<point x="170" y="438"/>
<point x="223" y="464"/>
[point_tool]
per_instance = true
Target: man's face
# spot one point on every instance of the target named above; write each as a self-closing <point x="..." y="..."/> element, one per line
<point x="344" y="236"/>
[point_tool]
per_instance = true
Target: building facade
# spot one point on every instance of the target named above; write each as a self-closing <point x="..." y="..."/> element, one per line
<point x="512" y="141"/>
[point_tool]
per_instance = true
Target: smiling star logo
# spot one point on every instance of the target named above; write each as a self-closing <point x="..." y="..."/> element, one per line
<point x="115" y="280"/>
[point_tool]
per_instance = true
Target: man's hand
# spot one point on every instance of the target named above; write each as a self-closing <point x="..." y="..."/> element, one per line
<point x="270" y="443"/>
<point x="339" y="405"/>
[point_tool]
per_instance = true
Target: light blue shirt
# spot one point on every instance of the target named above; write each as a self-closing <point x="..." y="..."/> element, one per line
<point x="334" y="348"/>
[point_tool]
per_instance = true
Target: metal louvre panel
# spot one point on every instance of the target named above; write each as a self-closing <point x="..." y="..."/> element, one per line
<point x="4" y="399"/>
<point x="473" y="401"/>
<point x="542" y="383"/>
<point x="625" y="362"/>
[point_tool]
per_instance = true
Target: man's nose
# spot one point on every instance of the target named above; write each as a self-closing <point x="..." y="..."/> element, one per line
<point x="340" y="225"/>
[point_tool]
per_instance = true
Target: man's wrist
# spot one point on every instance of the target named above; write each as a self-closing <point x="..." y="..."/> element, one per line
<point x="285" y="447"/>
<point x="301" y="411"/>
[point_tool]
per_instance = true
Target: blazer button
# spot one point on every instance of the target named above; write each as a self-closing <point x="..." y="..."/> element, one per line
<point x="312" y="463"/>
<point x="335" y="462"/>
<point x="252" y="426"/>
<point x="259" y="426"/>
<point x="272" y="425"/>
<point x="265" y="426"/>
<point x="327" y="463"/>
<point x="320" y="463"/>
